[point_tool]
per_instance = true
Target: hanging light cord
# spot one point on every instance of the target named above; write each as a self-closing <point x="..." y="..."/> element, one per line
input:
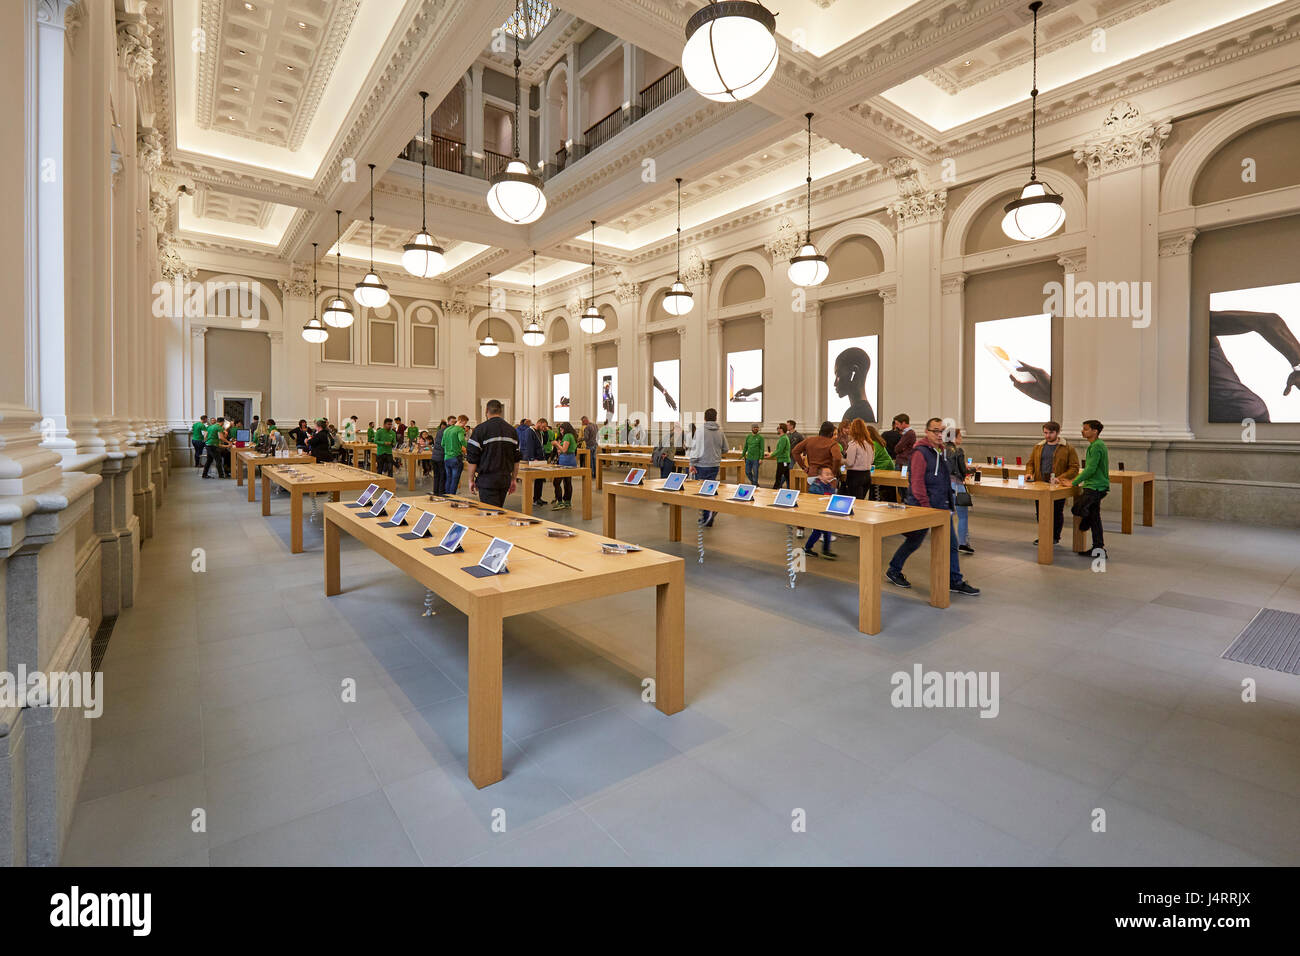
<point x="809" y="180"/>
<point x="489" y="335"/>
<point x="1033" y="100"/>
<point x="679" y="229"/>
<point x="593" y="263"/>
<point x="424" y="159"/>
<point x="372" y="217"/>
<point x="338" y="254"/>
<point x="534" y="285"/>
<point x="313" y="280"/>
<point x="515" y="134"/>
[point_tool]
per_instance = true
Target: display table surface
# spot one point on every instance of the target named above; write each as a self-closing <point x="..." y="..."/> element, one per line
<point x="680" y="463"/>
<point x="411" y="456"/>
<point x="249" y="459"/>
<point x="1127" y="480"/>
<point x="330" y="477"/>
<point x="530" y="471"/>
<point x="544" y="572"/>
<point x="363" y="447"/>
<point x="870" y="523"/>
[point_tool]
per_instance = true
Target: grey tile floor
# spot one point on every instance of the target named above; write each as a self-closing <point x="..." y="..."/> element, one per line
<point x="224" y="694"/>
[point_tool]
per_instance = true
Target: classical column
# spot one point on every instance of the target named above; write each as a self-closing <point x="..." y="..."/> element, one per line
<point x="714" y="361"/>
<point x="952" y="395"/>
<point x="793" y="326"/>
<point x="889" y="398"/>
<point x="474" y="117"/>
<point x="575" y="95"/>
<point x="291" y="356"/>
<point x="1120" y="339"/>
<point x="909" y="345"/>
<point x="1174" y="319"/>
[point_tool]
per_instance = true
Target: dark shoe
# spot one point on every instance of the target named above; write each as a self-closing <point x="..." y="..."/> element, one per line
<point x="896" y="577"/>
<point x="967" y="549"/>
<point x="1089" y="553"/>
<point x="829" y="555"/>
<point x="809" y="554"/>
<point x="964" y="588"/>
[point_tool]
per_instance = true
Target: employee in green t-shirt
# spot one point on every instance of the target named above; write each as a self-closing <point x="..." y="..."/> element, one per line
<point x="213" y="440"/>
<point x="453" y="453"/>
<point x="781" y="455"/>
<point x="384" y="438"/>
<point x="199" y="438"/>
<point x="753" y="452"/>
<point x="1094" y="479"/>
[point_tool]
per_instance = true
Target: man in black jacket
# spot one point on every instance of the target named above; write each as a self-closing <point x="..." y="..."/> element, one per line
<point x="492" y="457"/>
<point x="318" y="445"/>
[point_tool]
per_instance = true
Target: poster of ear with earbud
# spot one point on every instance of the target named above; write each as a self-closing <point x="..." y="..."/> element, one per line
<point x="852" y="378"/>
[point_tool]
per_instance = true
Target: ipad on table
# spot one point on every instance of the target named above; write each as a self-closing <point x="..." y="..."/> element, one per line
<point x="634" y="476"/>
<point x="421" y="527"/>
<point x="399" y="516"/>
<point x="709" y="487"/>
<point x="786" y="498"/>
<point x="840" y="505"/>
<point x="365" y="497"/>
<point x="674" y="482"/>
<point x="380" y="503"/>
<point x="743" y="493"/>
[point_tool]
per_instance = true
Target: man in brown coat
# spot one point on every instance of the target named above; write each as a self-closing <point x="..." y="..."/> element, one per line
<point x="1053" y="460"/>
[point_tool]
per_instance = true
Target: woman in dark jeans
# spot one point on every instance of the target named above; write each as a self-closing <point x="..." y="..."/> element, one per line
<point x="859" y="454"/>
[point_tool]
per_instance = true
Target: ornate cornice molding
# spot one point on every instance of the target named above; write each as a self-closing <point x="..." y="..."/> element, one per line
<point x="696" y="270"/>
<point x="916" y="203"/>
<point x="624" y="289"/>
<point x="1125" y="140"/>
<point x="170" y="263"/>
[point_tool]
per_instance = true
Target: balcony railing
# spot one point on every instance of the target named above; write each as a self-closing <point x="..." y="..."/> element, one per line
<point x="494" y="163"/>
<point x="443" y="152"/>
<point x="604" y="129"/>
<point x="662" y="90"/>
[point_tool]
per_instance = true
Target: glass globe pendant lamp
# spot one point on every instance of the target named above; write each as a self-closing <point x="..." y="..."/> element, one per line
<point x="679" y="300"/>
<point x="730" y="51"/>
<point x="488" y="348"/>
<point x="1037" y="212"/>
<point x="336" y="313"/>
<point x="591" y="321"/>
<point x="422" y="257"/>
<point x="515" y="195"/>
<point x="808" y="267"/>
<point x="313" y="331"/>
<point x="371" y="291"/>
<point x="533" y="335"/>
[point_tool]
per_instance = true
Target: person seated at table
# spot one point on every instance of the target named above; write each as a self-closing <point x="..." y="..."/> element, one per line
<point x="823" y="484"/>
<point x="1053" y="460"/>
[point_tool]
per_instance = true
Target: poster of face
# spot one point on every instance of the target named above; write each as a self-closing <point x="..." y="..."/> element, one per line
<point x="745" y="386"/>
<point x="1254" y="354"/>
<point x="852" y="378"/>
<point x="1013" y="369"/>
<point x="560" y="397"/>
<point x="666" y="390"/>
<point x="607" y="393"/>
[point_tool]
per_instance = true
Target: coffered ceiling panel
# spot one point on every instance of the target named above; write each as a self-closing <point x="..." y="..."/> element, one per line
<point x="212" y="204"/>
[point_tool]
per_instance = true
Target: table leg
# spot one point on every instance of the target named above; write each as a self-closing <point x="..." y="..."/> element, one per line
<point x="1148" y="503"/>
<point x="410" y="473"/>
<point x="334" y="496"/>
<point x="526" y="497"/>
<point x="600" y="474"/>
<point x="485" y="693"/>
<point x="252" y="483"/>
<point x="1081" y="542"/>
<point x="331" y="558"/>
<point x="266" y="494"/>
<point x="239" y="475"/>
<point x="674" y="522"/>
<point x="611" y="522"/>
<point x="586" y="496"/>
<point x="295" y="522"/>
<point x="1126" y="517"/>
<point x="869" y="548"/>
<point x="1045" y="511"/>
<point x="940" y="559"/>
<point x="670" y="641"/>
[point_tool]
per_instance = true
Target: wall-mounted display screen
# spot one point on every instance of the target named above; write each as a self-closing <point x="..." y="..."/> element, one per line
<point x="560" y="397"/>
<point x="1013" y="369"/>
<point x="852" y="378"/>
<point x="1254" y="354"/>
<point x="607" y="393"/>
<point x="745" y="386"/>
<point x="666" y="390"/>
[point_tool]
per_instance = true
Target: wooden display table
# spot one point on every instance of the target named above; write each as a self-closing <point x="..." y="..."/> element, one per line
<point x="1127" y="480"/>
<point x="870" y="523"/>
<point x="249" y="459"/>
<point x="530" y="471"/>
<point x="680" y="463"/>
<point x="366" y="448"/>
<point x="411" y="456"/>
<point x="634" y="449"/>
<point x="315" y="479"/>
<point x="543" y="573"/>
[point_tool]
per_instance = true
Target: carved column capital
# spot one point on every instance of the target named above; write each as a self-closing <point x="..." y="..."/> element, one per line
<point x="953" y="284"/>
<point x="888" y="293"/>
<point x="1126" y="139"/>
<point x="1177" y="243"/>
<point x="135" y="46"/>
<point x="1075" y="261"/>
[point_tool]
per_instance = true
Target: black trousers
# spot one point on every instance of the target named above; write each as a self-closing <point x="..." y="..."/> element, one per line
<point x="782" y="475"/>
<point x="1058" y="517"/>
<point x="1087" y="507"/>
<point x="199" y="445"/>
<point x="384" y="464"/>
<point x="492" y="489"/>
<point x="886" y="493"/>
<point x="215" y="458"/>
<point x="563" y="489"/>
<point x="538" y="484"/>
<point x="858" y="484"/>
<point x="439" y="476"/>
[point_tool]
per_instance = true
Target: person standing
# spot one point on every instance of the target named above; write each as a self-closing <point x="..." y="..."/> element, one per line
<point x="1094" y="479"/>
<point x="664" y="452"/>
<point x="930" y="486"/>
<point x="198" y="438"/>
<point x="565" y="445"/>
<point x="542" y="435"/>
<point x="300" y="435"/>
<point x="859" y="459"/>
<point x="384" y="438"/>
<point x="591" y="441"/>
<point x="820" y="451"/>
<point x="753" y="452"/>
<point x="1053" y="460"/>
<point x="399" y="430"/>
<point x="706" y="455"/>
<point x="436" y="461"/>
<point x="906" y="441"/>
<point x="350" y="429"/>
<point x="492" y="453"/>
<point x="319" y="445"/>
<point x="781" y="455"/>
<point x="822" y="483"/>
<point x="453" y="448"/>
<point x="792" y="430"/>
<point x="958" y="472"/>
<point x="212" y="445"/>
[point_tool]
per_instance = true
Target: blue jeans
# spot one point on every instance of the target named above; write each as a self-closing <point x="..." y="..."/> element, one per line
<point x="453" y="468"/>
<point x="912" y="540"/>
<point x="704" y="474"/>
<point x="825" y="539"/>
<point x="751" y="470"/>
<point x="592" y="458"/>
<point x="963" y="515"/>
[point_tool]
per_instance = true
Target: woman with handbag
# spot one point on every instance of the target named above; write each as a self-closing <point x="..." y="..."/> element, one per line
<point x="956" y="461"/>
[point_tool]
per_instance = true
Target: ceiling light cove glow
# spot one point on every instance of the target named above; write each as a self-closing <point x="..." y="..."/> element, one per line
<point x="268" y="235"/>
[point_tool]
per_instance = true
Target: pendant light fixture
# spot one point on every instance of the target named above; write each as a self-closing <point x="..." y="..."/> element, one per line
<point x="591" y="321"/>
<point x="313" y="331"/>
<point x="533" y="335"/>
<point x="1037" y="212"/>
<point x="337" y="313"/>
<point x="488" y="348"/>
<point x="808" y="267"/>
<point x="515" y="195"/>
<point x="371" y="292"/>
<point x="730" y="51"/>
<point x="422" y="257"/>
<point x="679" y="300"/>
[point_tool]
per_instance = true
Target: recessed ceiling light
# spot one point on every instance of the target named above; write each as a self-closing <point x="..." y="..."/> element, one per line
<point x="290" y="68"/>
<point x="236" y="89"/>
<point x="301" y="25"/>
<point x="241" y="53"/>
<point x="231" y="118"/>
<point x="248" y="7"/>
<point x="278" y="100"/>
<point x="764" y="156"/>
<point x="272" y="129"/>
<point x="966" y="63"/>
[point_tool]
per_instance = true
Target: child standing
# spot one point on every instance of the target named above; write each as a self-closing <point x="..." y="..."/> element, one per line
<point x="823" y="484"/>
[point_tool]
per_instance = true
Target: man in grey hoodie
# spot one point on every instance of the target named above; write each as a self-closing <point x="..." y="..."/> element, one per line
<point x="706" y="454"/>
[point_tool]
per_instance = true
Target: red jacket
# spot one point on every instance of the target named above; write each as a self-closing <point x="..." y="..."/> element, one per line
<point x="903" y="450"/>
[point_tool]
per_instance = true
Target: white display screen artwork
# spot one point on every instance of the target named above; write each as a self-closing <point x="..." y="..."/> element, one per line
<point x="607" y="394"/>
<point x="745" y="386"/>
<point x="666" y="391"/>
<point x="1254" y="352"/>
<point x="1013" y="369"/>
<point x="560" y="397"/>
<point x="852" y="378"/>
